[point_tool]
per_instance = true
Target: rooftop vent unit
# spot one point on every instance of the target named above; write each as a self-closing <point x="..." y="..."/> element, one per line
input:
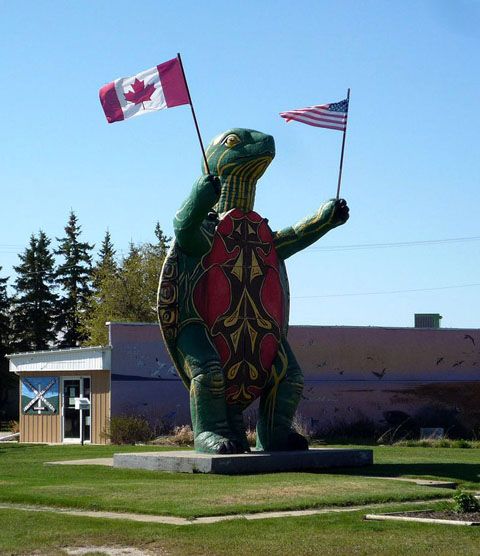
<point x="427" y="320"/>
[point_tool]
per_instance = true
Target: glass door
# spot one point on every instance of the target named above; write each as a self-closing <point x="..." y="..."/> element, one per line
<point x="86" y="412"/>
<point x="75" y="421"/>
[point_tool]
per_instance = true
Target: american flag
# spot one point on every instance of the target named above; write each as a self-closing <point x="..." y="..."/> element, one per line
<point x="332" y="116"/>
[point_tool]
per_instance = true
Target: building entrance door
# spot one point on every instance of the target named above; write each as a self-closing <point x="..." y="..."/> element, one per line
<point x="74" y="421"/>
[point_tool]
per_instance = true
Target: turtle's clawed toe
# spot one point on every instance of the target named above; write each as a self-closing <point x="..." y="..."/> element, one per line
<point x="229" y="447"/>
<point x="209" y="442"/>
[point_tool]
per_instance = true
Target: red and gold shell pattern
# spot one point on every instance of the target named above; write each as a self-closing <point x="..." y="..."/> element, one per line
<point x="239" y="296"/>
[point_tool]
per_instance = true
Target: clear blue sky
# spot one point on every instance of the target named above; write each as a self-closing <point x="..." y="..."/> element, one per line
<point x="411" y="170"/>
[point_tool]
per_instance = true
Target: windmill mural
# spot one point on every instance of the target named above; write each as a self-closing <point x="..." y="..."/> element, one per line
<point x="40" y="395"/>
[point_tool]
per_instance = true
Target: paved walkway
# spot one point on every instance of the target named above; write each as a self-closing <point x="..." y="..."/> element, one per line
<point x="171" y="520"/>
<point x="419" y="482"/>
<point x="93" y="461"/>
<point x="9" y="436"/>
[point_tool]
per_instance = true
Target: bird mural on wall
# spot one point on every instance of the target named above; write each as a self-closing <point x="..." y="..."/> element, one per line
<point x="468" y="337"/>
<point x="379" y="375"/>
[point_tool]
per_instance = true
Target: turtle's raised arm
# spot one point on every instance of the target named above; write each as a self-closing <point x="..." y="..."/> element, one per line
<point x="187" y="224"/>
<point x="290" y="240"/>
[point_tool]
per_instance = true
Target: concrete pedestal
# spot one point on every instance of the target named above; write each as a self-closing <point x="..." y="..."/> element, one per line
<point x="254" y="462"/>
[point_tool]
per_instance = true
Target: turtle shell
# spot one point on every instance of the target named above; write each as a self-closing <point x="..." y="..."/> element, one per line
<point x="168" y="307"/>
<point x="239" y="291"/>
<point x="240" y="298"/>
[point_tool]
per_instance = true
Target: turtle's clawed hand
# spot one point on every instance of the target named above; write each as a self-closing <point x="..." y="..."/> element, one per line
<point x="341" y="212"/>
<point x="210" y="180"/>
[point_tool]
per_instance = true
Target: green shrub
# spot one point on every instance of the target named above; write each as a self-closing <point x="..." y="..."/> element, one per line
<point x="462" y="444"/>
<point x="465" y="502"/>
<point x="128" y="430"/>
<point x="440" y="443"/>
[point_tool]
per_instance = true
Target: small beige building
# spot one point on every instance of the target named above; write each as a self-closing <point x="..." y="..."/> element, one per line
<point x="64" y="394"/>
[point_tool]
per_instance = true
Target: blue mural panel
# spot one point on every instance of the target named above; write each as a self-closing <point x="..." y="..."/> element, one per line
<point x="40" y="395"/>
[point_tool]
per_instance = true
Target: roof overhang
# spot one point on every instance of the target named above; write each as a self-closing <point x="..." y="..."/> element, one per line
<point x="96" y="358"/>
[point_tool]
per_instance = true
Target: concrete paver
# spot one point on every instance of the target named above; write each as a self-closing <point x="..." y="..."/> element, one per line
<point x="172" y="520"/>
<point x="92" y="461"/>
<point x="419" y="482"/>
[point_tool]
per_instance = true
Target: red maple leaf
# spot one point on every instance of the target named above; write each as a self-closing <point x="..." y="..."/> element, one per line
<point x="140" y="93"/>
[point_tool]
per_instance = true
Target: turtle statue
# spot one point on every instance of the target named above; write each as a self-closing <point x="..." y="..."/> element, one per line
<point x="223" y="300"/>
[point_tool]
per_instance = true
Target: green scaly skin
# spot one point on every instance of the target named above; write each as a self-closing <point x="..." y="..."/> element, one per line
<point x="237" y="158"/>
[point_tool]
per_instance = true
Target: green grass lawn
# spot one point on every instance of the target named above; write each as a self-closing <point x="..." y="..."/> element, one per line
<point x="461" y="465"/>
<point x="24" y="479"/>
<point x="346" y="534"/>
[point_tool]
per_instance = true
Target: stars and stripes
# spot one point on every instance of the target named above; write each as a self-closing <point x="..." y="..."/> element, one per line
<point x="331" y="116"/>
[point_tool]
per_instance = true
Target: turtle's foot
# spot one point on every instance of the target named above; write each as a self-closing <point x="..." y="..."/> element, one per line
<point x="296" y="441"/>
<point x="288" y="441"/>
<point x="212" y="443"/>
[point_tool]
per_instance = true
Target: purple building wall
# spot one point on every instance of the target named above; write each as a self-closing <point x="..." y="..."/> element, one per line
<point x="352" y="374"/>
<point x="144" y="381"/>
<point x="389" y="374"/>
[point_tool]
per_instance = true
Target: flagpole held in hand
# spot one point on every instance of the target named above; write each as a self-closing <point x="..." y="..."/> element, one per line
<point x="343" y="148"/>
<point x="332" y="116"/>
<point x="194" y="117"/>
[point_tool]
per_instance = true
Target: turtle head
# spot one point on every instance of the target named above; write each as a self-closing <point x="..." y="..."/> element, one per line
<point x="239" y="157"/>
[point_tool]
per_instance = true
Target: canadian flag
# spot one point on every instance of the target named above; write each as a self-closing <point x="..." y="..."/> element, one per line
<point x="154" y="89"/>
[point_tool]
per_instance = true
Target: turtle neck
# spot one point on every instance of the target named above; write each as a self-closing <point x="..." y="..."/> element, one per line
<point x="238" y="193"/>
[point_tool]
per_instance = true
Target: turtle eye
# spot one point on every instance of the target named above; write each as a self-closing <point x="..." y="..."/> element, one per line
<point x="231" y="140"/>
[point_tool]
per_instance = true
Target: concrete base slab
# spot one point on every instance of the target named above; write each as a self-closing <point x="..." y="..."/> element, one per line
<point x="235" y="464"/>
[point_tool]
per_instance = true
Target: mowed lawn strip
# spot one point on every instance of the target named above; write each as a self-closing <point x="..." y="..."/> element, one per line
<point x="461" y="465"/>
<point x="325" y="535"/>
<point x="24" y="479"/>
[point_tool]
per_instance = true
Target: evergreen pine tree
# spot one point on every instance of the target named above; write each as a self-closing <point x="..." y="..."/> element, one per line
<point x="134" y="287"/>
<point x="34" y="305"/>
<point x="163" y="242"/>
<point x="104" y="275"/>
<point x="74" y="277"/>
<point x="106" y="264"/>
<point x="5" y="331"/>
<point x="128" y="291"/>
<point x="8" y="381"/>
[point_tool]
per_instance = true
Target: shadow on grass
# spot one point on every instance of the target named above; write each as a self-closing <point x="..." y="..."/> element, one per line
<point x="462" y="472"/>
<point x="7" y="448"/>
